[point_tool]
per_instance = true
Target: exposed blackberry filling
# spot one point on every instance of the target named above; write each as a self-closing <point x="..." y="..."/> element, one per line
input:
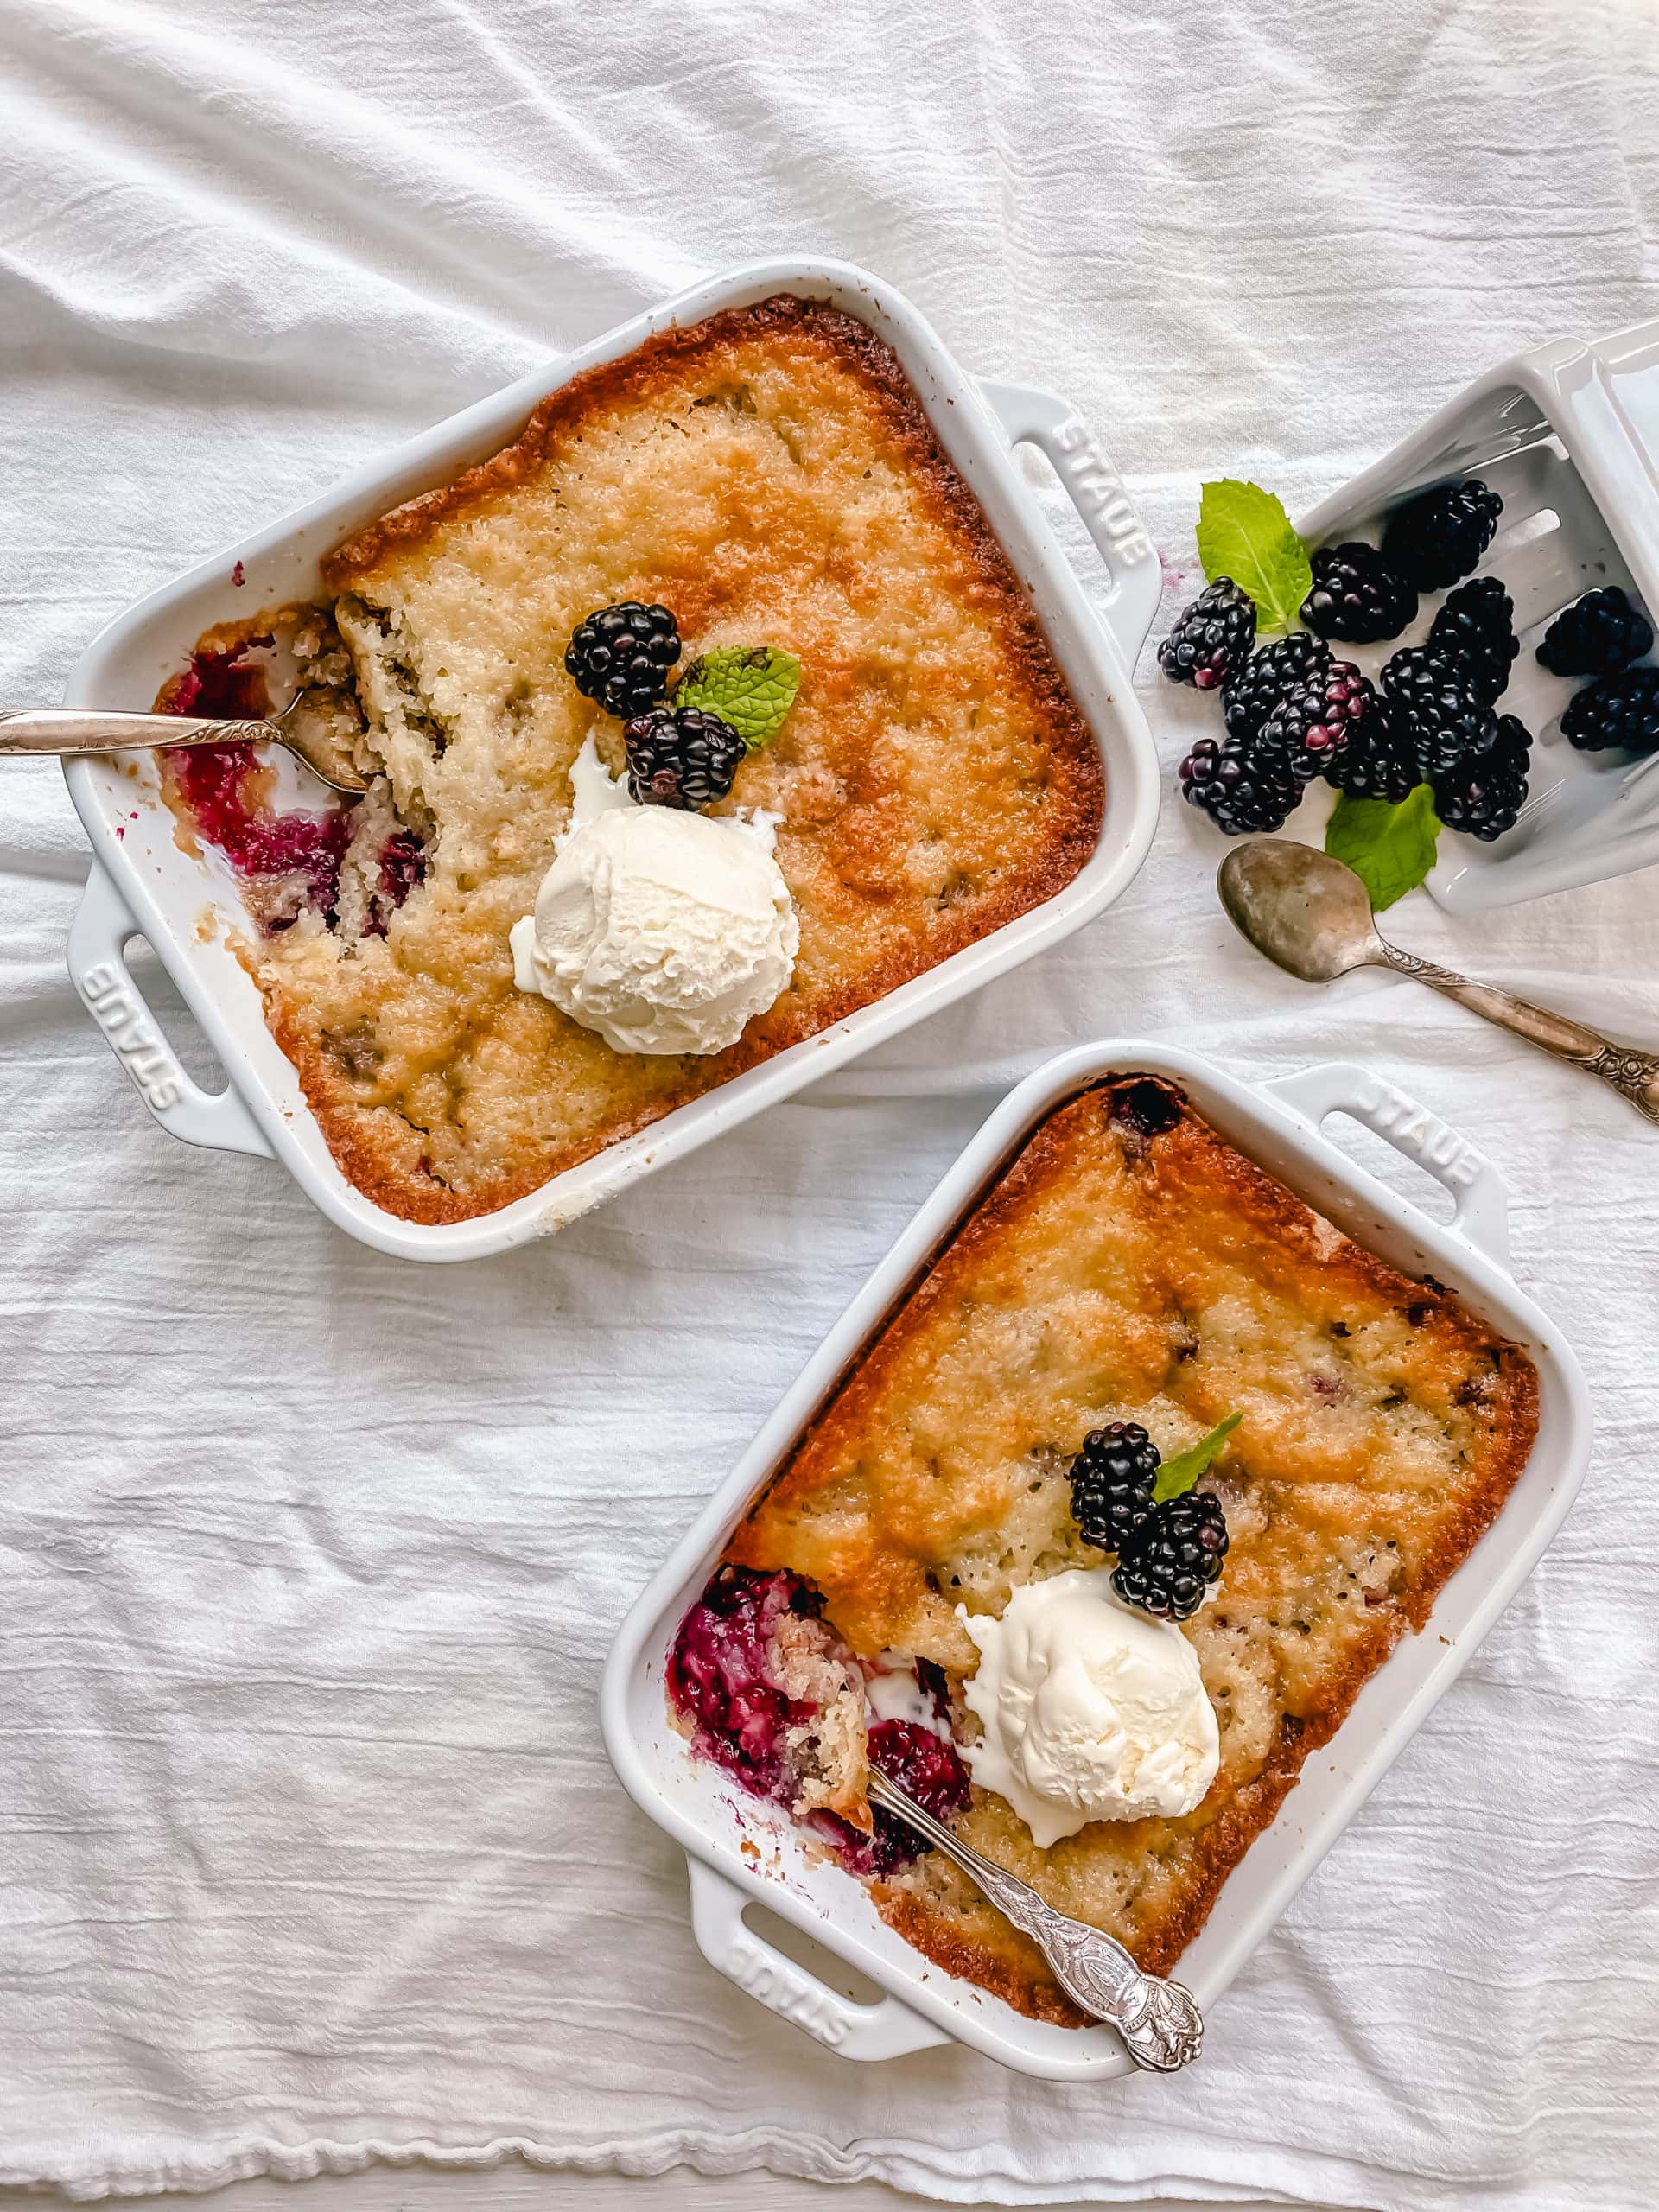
<point x="299" y="854"/>
<point x="724" y="1677"/>
<point x="930" y="1770"/>
<point x="1146" y="1105"/>
<point x="217" y="782"/>
<point x="222" y="683"/>
<point x="720" y="1676"/>
<point x="403" y="865"/>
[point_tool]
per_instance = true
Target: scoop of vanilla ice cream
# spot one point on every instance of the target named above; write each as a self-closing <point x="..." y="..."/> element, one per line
<point x="1091" y="1710"/>
<point x="666" y="932"/>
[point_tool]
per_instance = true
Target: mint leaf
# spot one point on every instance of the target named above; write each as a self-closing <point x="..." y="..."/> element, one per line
<point x="1176" y="1476"/>
<point x="751" y="687"/>
<point x="1390" y="849"/>
<point x="1244" y="533"/>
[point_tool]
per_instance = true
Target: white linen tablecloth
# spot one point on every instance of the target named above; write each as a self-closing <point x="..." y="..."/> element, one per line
<point x="309" y="1559"/>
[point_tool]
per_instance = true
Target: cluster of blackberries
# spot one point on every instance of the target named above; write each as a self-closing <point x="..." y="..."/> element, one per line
<point x="1292" y="711"/>
<point x="1600" y="637"/>
<point x="1168" y="1554"/>
<point x="620" y="658"/>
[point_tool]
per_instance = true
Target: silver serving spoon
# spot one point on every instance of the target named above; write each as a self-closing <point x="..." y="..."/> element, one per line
<point x="26" y="731"/>
<point x="1159" y="2021"/>
<point x="1312" y="916"/>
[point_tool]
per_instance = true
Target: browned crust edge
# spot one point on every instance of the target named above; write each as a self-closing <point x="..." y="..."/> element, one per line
<point x="1078" y="784"/>
<point x="1026" y="1985"/>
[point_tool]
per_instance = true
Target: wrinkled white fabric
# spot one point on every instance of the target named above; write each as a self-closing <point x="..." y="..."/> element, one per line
<point x="308" y="1559"/>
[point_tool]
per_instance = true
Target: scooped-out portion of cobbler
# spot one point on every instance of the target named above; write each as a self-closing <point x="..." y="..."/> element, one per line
<point x="1137" y="1346"/>
<point x="768" y="477"/>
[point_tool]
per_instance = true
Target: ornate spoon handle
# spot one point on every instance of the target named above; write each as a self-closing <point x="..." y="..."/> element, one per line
<point x="70" y="729"/>
<point x="1632" y="1072"/>
<point x="1159" y="2021"/>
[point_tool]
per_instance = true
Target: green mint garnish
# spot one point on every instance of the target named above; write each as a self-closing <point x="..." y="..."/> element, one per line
<point x="1244" y="533"/>
<point x="1390" y="849"/>
<point x="1176" y="1476"/>
<point x="751" y="687"/>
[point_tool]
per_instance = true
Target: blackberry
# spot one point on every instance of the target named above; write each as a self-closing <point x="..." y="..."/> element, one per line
<point x="1622" y="710"/>
<point x="1312" y="725"/>
<point x="1264" y="679"/>
<point x="1173" y="1556"/>
<point x="1436" y="539"/>
<point x="1111" y="1483"/>
<point x="1436" y="690"/>
<point x="681" y="757"/>
<point x="1145" y="1105"/>
<point x="1380" y="759"/>
<point x="1211" y="638"/>
<point x="1241" y="789"/>
<point x="1483" y="797"/>
<point x="620" y="656"/>
<point x="1479" y="622"/>
<point x="1601" y="635"/>
<point x="1357" y="596"/>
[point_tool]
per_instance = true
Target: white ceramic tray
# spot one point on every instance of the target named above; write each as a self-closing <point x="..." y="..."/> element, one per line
<point x="1277" y="1124"/>
<point x="143" y="884"/>
<point x="1568" y="436"/>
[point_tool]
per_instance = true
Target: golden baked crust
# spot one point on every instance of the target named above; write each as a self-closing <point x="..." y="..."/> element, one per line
<point x="769" y="475"/>
<point x="1111" y="1275"/>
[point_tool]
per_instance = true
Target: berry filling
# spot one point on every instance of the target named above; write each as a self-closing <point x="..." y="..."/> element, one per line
<point x="723" y="1678"/>
<point x="220" y="785"/>
<point x="927" y="1768"/>
<point x="403" y="865"/>
<point x="720" y="1678"/>
<point x="224" y="788"/>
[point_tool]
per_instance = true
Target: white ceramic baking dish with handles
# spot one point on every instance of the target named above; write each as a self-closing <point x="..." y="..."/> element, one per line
<point x="1279" y="1125"/>
<point x="142" y="884"/>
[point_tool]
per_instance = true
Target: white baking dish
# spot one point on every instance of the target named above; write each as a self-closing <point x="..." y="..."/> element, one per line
<point x="1278" y="1124"/>
<point x="142" y="883"/>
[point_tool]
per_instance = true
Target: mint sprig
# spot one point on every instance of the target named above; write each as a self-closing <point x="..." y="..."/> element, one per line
<point x="751" y="687"/>
<point x="1390" y="849"/>
<point x="1244" y="533"/>
<point x="1176" y="1476"/>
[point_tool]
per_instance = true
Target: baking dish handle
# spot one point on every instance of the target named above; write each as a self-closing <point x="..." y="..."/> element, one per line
<point x="1480" y="1203"/>
<point x="889" y="2029"/>
<point x="1096" y="490"/>
<point x="98" y="968"/>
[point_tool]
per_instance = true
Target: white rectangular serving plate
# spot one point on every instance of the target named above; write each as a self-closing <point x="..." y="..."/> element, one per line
<point x="144" y="884"/>
<point x="1277" y="1124"/>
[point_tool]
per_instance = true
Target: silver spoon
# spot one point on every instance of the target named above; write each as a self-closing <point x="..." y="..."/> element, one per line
<point x="25" y="731"/>
<point x="1159" y="2021"/>
<point x="1311" y="915"/>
